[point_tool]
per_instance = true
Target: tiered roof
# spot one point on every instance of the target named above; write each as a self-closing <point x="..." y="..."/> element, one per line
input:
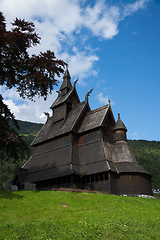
<point x="52" y="160"/>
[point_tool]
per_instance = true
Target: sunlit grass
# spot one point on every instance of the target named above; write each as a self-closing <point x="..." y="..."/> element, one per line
<point x="64" y="215"/>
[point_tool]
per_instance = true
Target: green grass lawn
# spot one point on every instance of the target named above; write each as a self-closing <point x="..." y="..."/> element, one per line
<point x="73" y="215"/>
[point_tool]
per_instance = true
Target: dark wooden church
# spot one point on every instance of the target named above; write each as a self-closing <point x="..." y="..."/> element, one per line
<point x="83" y="148"/>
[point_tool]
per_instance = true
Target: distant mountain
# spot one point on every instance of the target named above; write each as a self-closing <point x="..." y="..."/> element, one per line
<point x="28" y="128"/>
<point x="147" y="154"/>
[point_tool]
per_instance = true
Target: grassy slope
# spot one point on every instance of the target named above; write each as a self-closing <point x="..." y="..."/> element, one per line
<point x="64" y="215"/>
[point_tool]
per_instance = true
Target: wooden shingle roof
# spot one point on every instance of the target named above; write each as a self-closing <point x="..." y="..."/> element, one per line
<point x="51" y="129"/>
<point x="124" y="159"/>
<point x="94" y="118"/>
<point x="64" y="98"/>
<point x="88" y="159"/>
<point x="119" y="125"/>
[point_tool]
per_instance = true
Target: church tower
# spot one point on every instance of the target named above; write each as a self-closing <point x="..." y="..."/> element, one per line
<point x="119" y="130"/>
<point x="64" y="102"/>
<point x="132" y="177"/>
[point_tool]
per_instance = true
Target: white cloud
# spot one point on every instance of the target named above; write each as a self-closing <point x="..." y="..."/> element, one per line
<point x="81" y="64"/>
<point x="60" y="21"/>
<point x="25" y="109"/>
<point x="131" y="8"/>
<point x="102" y="20"/>
<point x="135" y="33"/>
<point x="62" y="24"/>
<point x="133" y="135"/>
<point x="104" y="99"/>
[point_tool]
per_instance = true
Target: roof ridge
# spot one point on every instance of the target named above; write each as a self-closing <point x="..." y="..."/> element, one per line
<point x="78" y="104"/>
<point x="63" y="98"/>
<point x="98" y="109"/>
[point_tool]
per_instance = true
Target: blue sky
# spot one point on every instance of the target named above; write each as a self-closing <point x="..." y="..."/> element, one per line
<point x="113" y="46"/>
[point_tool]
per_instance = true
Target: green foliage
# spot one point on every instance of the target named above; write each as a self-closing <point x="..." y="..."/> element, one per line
<point x="27" y="131"/>
<point x="147" y="154"/>
<point x="64" y="215"/>
<point x="28" y="128"/>
<point x="11" y="144"/>
<point x="31" y="76"/>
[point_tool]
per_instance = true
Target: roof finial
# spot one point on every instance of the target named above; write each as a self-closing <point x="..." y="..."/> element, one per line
<point x="67" y="60"/>
<point x="109" y="101"/>
<point x="118" y="115"/>
<point x="86" y="98"/>
<point x="47" y="114"/>
<point x="75" y="83"/>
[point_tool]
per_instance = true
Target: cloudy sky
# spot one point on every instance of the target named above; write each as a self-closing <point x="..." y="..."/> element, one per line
<point x="112" y="46"/>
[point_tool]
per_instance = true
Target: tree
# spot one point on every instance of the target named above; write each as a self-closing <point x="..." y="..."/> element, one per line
<point x="31" y="76"/>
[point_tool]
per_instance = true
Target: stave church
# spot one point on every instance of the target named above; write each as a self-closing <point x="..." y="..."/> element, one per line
<point x="85" y="148"/>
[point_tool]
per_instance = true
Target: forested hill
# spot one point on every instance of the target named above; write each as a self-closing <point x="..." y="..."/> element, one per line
<point x="28" y="128"/>
<point x="147" y="154"/>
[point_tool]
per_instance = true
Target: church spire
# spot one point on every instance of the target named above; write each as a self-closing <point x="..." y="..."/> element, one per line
<point x="66" y="84"/>
<point x="119" y="130"/>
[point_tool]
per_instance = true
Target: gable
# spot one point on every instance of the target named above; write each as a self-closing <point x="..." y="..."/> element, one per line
<point x="71" y="96"/>
<point x="94" y="119"/>
<point x="107" y="126"/>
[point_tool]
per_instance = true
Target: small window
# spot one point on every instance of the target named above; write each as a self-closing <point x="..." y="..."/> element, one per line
<point x="68" y="180"/>
<point x="101" y="177"/>
<point x="106" y="176"/>
<point x="42" y="184"/>
<point x="46" y="183"/>
<point x="96" y="178"/>
<point x="92" y="178"/>
<point x="59" y="181"/>
<point x="62" y="180"/>
<point x="83" y="180"/>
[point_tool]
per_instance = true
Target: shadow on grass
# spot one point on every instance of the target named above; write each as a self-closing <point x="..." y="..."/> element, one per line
<point x="10" y="195"/>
